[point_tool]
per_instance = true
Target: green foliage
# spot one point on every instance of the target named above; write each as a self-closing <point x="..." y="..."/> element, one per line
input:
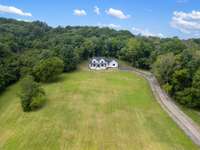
<point x="30" y="48"/>
<point x="190" y="59"/>
<point x="137" y="52"/>
<point x="129" y="52"/>
<point x="32" y="95"/>
<point x="86" y="50"/>
<point x="24" y="44"/>
<point x="180" y="79"/>
<point x="172" y="45"/>
<point x="196" y="80"/>
<point x="163" y="67"/>
<point x="47" y="70"/>
<point x="38" y="101"/>
<point x="168" y="88"/>
<point x="196" y="88"/>
<point x="69" y="58"/>
<point x="185" y="97"/>
<point x="9" y="67"/>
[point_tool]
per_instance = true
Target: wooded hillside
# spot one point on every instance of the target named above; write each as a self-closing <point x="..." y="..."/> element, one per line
<point x="25" y="45"/>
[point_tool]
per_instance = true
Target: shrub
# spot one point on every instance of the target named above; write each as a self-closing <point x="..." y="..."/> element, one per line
<point x="38" y="102"/>
<point x="168" y="88"/>
<point x="47" y="70"/>
<point x="185" y="97"/>
<point x="31" y="94"/>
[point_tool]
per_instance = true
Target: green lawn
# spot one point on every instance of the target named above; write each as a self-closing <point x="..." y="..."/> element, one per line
<point x="86" y="110"/>
<point x="194" y="114"/>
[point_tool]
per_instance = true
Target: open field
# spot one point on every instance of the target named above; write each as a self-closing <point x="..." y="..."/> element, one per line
<point x="91" y="110"/>
<point x="194" y="114"/>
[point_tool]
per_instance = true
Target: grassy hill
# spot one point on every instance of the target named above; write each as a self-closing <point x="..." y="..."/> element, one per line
<point x="91" y="110"/>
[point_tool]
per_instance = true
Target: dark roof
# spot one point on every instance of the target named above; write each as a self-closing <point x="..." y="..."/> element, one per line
<point x="99" y="58"/>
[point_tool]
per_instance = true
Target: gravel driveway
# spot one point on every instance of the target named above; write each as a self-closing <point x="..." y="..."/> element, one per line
<point x="184" y="122"/>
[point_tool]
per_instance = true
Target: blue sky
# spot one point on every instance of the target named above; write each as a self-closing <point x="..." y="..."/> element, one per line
<point x="165" y="18"/>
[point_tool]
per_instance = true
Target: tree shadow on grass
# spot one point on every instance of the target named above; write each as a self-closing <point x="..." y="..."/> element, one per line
<point x="57" y="79"/>
<point x="40" y="108"/>
<point x="37" y="109"/>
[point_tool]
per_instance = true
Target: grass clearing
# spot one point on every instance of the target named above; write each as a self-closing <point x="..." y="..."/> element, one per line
<point x="89" y="110"/>
<point x="194" y="114"/>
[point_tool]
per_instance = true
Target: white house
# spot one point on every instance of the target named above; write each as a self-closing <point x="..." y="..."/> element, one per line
<point x="100" y="63"/>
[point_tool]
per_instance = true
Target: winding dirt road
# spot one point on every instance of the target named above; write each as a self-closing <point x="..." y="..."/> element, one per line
<point x="184" y="122"/>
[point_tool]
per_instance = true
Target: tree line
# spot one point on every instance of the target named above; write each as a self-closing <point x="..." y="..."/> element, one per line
<point x="38" y="50"/>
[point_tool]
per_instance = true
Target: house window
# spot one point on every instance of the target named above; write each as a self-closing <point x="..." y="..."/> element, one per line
<point x="102" y="65"/>
<point x="113" y="64"/>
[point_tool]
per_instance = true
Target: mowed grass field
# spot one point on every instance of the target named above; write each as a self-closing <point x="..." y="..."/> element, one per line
<point x="192" y="113"/>
<point x="87" y="110"/>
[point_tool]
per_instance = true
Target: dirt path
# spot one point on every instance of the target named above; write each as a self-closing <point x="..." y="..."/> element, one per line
<point x="184" y="122"/>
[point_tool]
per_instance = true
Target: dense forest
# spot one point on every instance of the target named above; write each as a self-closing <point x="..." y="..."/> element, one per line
<point x="36" y="49"/>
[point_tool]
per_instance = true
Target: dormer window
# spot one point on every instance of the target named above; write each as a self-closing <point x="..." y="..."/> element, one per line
<point x="101" y="63"/>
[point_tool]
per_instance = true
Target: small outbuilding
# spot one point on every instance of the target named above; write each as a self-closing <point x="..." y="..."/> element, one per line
<point x="101" y="63"/>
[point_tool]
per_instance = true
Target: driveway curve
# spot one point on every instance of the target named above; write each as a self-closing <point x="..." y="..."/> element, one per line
<point x="182" y="120"/>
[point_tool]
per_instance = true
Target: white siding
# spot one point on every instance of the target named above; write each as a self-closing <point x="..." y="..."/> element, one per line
<point x="102" y="61"/>
<point x="94" y="61"/>
<point x="113" y="64"/>
<point x="102" y="64"/>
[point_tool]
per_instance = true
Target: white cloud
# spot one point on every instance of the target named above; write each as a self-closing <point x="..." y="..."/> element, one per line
<point x="146" y="32"/>
<point x="117" y="13"/>
<point x="112" y="26"/>
<point x="13" y="10"/>
<point x="188" y="23"/>
<point x="97" y="10"/>
<point x="79" y="12"/>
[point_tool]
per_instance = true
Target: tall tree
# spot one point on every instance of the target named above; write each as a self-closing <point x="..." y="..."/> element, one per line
<point x="164" y="67"/>
<point x="69" y="58"/>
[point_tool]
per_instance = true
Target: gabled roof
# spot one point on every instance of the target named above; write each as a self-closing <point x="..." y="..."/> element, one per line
<point x="99" y="58"/>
